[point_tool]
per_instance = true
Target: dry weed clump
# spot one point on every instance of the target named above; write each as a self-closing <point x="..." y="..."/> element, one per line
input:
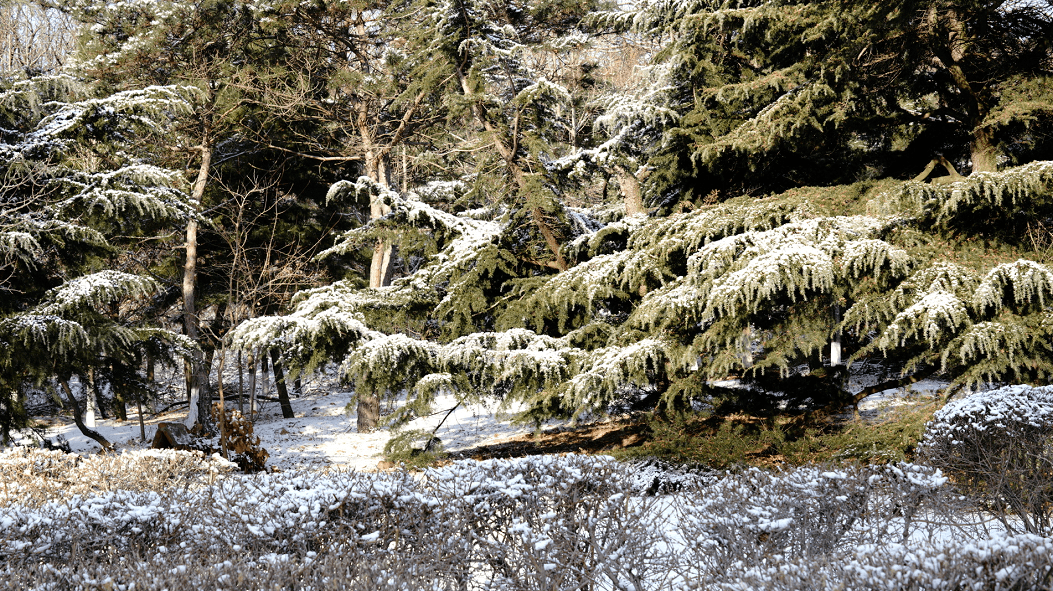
<point x="544" y="522"/>
<point x="238" y="440"/>
<point x="32" y="477"/>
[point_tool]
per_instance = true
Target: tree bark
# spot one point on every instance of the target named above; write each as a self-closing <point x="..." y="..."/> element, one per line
<point x="197" y="415"/>
<point x="252" y="385"/>
<point x="90" y="402"/>
<point x="78" y="418"/>
<point x="241" y="385"/>
<point x="283" y="389"/>
<point x="984" y="150"/>
<point x="631" y="193"/>
<point x="381" y="269"/>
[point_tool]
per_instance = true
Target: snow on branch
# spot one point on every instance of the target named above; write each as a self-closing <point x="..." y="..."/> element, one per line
<point x="603" y="373"/>
<point x="1028" y="282"/>
<point x="945" y="203"/>
<point x="96" y="291"/>
<point x="933" y="316"/>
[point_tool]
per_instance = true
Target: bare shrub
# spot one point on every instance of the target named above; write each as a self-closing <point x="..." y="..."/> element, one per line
<point x="32" y="477"/>
<point x="555" y="522"/>
<point x="1001" y="563"/>
<point x="996" y="446"/>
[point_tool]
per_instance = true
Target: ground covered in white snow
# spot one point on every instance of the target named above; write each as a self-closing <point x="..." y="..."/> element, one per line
<point x="321" y="435"/>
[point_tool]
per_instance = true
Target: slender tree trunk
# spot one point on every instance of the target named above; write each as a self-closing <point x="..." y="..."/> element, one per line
<point x="265" y="386"/>
<point x="150" y="378"/>
<point x="197" y="416"/>
<point x="88" y="387"/>
<point x="241" y="385"/>
<point x="222" y="406"/>
<point x="835" y="341"/>
<point x="381" y="268"/>
<point x="252" y="385"/>
<point x="283" y="389"/>
<point x="78" y="418"/>
<point x="142" y="424"/>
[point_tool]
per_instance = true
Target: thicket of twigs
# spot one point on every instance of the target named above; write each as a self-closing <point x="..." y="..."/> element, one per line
<point x="183" y="521"/>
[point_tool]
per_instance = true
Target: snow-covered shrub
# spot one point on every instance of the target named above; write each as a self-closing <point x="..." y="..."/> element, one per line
<point x="570" y="522"/>
<point x="811" y="513"/>
<point x="1002" y="562"/>
<point x="551" y="522"/>
<point x="534" y="523"/>
<point x="755" y="514"/>
<point x="996" y="445"/>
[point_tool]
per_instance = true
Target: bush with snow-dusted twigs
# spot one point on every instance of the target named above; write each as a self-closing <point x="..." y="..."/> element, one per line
<point x="545" y="522"/>
<point x="996" y="444"/>
<point x="32" y="477"/>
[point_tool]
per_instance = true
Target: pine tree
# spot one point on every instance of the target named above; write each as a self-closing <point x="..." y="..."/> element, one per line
<point x="780" y="94"/>
<point x="70" y="182"/>
<point x="235" y="144"/>
<point x="776" y="285"/>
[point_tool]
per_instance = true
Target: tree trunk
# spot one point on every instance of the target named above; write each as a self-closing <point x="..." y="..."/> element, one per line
<point x="142" y="424"/>
<point x="78" y="418"/>
<point x="283" y="390"/>
<point x="380" y="273"/>
<point x="631" y="193"/>
<point x="222" y="406"/>
<point x="835" y="341"/>
<point x="368" y="413"/>
<point x="382" y="267"/>
<point x="88" y="387"/>
<point x="197" y="415"/>
<point x="252" y="385"/>
<point x="120" y="406"/>
<point x="241" y="384"/>
<point x="984" y="150"/>
<point x="265" y="386"/>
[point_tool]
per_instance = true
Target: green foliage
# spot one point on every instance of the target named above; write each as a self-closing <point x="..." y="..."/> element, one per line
<point x="819" y="107"/>
<point x="414" y="449"/>
<point x="728" y="441"/>
<point x="773" y="95"/>
<point x="66" y="195"/>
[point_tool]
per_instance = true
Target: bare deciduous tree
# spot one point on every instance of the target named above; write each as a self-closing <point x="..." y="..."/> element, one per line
<point x="34" y="38"/>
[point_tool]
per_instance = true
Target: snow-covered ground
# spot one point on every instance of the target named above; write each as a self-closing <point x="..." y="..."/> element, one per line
<point x="322" y="434"/>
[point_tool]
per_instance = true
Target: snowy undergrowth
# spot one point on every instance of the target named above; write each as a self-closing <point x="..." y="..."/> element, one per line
<point x="545" y="522"/>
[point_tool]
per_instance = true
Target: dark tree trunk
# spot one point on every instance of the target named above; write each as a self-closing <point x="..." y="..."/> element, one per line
<point x="283" y="390"/>
<point x="368" y="413"/>
<point x="78" y="418"/>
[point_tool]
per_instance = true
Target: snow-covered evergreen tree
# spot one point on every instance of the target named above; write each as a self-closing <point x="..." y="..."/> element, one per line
<point x="930" y="277"/>
<point x="71" y="182"/>
<point x="777" y="94"/>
